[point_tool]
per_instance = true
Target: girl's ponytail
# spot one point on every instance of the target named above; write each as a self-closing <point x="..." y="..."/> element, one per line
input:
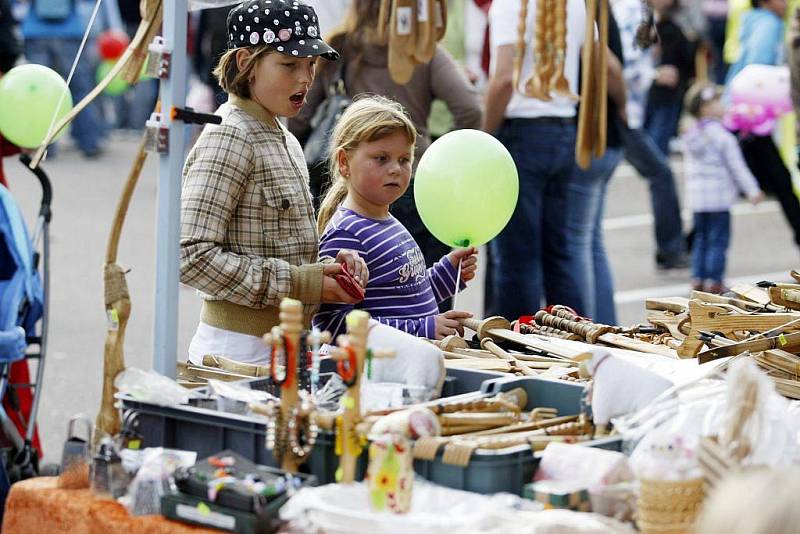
<point x="334" y="197"/>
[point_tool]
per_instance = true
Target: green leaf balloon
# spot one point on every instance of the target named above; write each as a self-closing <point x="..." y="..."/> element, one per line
<point x="466" y="188"/>
<point x="29" y="96"/>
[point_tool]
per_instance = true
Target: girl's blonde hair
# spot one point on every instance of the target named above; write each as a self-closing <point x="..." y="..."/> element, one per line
<point x="368" y="119"/>
<point x="233" y="80"/>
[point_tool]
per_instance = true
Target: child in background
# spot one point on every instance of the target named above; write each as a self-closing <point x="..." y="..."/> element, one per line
<point x="715" y="175"/>
<point x="371" y="157"/>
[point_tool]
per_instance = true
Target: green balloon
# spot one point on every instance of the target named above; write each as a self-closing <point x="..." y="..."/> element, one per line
<point x="466" y="188"/>
<point x="117" y="85"/>
<point x="29" y="97"/>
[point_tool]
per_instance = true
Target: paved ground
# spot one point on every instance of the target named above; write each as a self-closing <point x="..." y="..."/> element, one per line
<point x="85" y="195"/>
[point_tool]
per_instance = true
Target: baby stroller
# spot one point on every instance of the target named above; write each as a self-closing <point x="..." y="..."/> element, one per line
<point x="23" y="333"/>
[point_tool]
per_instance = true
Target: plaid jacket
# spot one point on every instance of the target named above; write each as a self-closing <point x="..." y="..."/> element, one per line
<point x="248" y="234"/>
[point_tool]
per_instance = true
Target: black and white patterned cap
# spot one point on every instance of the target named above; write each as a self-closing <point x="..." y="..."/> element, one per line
<point x="289" y="26"/>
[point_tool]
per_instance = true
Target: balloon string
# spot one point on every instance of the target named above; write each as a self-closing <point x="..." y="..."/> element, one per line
<point x="458" y="283"/>
<point x="74" y="65"/>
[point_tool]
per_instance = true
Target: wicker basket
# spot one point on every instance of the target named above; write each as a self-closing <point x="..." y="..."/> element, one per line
<point x="669" y="506"/>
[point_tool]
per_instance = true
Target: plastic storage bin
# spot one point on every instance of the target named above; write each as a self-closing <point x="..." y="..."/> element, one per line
<point x="491" y="471"/>
<point x="206" y="431"/>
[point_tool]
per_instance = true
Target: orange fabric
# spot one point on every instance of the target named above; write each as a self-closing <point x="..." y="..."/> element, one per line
<point x="38" y="505"/>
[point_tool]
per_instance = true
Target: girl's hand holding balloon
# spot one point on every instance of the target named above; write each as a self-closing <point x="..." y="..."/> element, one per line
<point x="469" y="262"/>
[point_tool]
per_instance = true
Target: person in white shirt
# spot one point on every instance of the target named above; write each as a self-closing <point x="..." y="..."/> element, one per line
<point x="528" y="259"/>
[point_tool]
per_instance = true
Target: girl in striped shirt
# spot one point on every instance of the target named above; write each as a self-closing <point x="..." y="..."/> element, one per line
<point x="372" y="149"/>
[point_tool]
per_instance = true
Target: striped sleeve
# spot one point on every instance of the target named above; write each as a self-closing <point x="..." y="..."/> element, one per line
<point x="422" y="327"/>
<point x="443" y="279"/>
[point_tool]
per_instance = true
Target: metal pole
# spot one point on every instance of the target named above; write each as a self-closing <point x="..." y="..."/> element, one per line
<point x="173" y="93"/>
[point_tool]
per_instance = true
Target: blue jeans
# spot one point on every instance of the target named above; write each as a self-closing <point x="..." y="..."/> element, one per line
<point x="712" y="234"/>
<point x="58" y="54"/>
<point x="642" y="153"/>
<point x="661" y="122"/>
<point x="133" y="108"/>
<point x="716" y="33"/>
<point x="586" y="193"/>
<point x="528" y="259"/>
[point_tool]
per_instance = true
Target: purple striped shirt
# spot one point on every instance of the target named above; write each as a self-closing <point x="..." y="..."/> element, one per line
<point x="401" y="292"/>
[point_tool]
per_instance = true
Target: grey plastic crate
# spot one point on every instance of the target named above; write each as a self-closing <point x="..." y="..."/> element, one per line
<point x="492" y="471"/>
<point x="208" y="431"/>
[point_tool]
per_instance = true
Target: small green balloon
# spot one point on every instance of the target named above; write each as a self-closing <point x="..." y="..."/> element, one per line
<point x="29" y="97"/>
<point x="117" y="85"/>
<point x="466" y="188"/>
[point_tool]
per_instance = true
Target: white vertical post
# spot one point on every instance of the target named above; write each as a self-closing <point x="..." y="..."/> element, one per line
<point x="173" y="93"/>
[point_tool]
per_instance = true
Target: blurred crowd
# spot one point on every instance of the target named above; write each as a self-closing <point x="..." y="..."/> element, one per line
<point x="670" y="62"/>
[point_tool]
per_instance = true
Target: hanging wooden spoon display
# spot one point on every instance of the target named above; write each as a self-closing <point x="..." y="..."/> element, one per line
<point x="602" y="82"/>
<point x="583" y="142"/>
<point x="426" y="28"/>
<point x="561" y="84"/>
<point x="401" y="33"/>
<point x="520" y="48"/>
<point x="383" y="21"/>
<point x="440" y="27"/>
<point x="536" y="85"/>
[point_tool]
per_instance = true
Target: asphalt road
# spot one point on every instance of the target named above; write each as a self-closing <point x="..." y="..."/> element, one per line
<point x="85" y="196"/>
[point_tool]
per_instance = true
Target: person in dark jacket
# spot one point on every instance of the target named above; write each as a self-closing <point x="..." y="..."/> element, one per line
<point x="675" y="68"/>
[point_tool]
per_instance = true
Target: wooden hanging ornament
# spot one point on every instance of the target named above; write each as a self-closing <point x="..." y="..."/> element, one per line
<point x="352" y="349"/>
<point x="284" y="342"/>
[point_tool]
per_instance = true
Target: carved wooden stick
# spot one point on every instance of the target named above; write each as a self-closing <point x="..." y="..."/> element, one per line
<point x="602" y="82"/>
<point x="589" y="331"/>
<point x="355" y="341"/>
<point x="583" y="142"/>
<point x="594" y="333"/>
<point x="499" y="328"/>
<point x="492" y="347"/>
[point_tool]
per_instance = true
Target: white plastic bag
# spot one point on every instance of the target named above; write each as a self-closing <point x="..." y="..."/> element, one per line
<point x="149" y="386"/>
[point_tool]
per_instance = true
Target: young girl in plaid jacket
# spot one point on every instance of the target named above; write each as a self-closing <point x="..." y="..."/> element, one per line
<point x="248" y="232"/>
